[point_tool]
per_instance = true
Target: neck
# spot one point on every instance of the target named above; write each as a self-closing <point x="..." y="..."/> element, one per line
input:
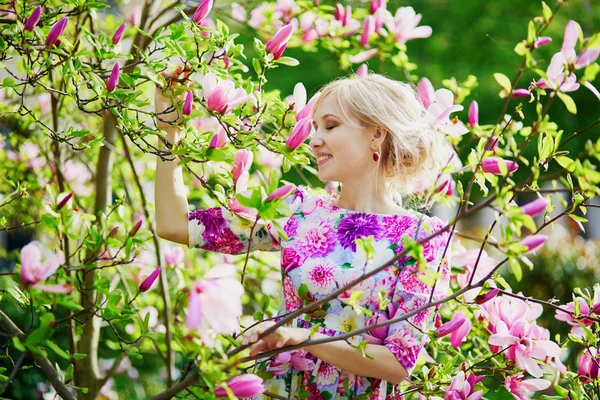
<point x="366" y="195"/>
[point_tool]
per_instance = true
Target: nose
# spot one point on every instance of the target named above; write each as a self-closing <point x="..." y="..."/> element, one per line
<point x="315" y="141"/>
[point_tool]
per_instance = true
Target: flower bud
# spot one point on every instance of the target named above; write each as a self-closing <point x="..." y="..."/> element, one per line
<point x="56" y="30"/>
<point x="33" y="19"/>
<point x="135" y="228"/>
<point x="492" y="165"/>
<point x="187" y="105"/>
<point x="64" y="201"/>
<point x="202" y="10"/>
<point x="147" y="283"/>
<point x="113" y="231"/>
<point x="473" y="114"/>
<point x="299" y="134"/>
<point x="281" y="192"/>
<point x="541" y="41"/>
<point x="277" y="45"/>
<point x="362" y="71"/>
<point x="535" y="207"/>
<point x="484" y="298"/>
<point x="339" y="12"/>
<point x="113" y="79"/>
<point x="368" y="29"/>
<point x="534" y="242"/>
<point x="118" y="35"/>
<point x="247" y="385"/>
<point x="518" y="93"/>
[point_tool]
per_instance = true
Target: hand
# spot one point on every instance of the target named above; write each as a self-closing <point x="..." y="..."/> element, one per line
<point x="281" y="337"/>
<point x="166" y="99"/>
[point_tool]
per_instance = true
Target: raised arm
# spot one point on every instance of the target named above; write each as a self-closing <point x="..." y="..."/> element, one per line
<point x="169" y="191"/>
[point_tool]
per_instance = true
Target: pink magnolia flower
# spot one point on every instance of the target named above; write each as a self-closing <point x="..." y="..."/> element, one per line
<point x="489" y="295"/>
<point x="570" y="39"/>
<point x="173" y="255"/>
<point x="39" y="263"/>
<point x="473" y="114"/>
<point x="242" y="386"/>
<point x="118" y="35"/>
<point x="149" y="281"/>
<point x="238" y="12"/>
<point x="113" y="79"/>
<point x="241" y="163"/>
<point x="368" y="31"/>
<point x="222" y="96"/>
<point x="215" y="303"/>
<point x="518" y="93"/>
<point x="556" y="76"/>
<point x="534" y="242"/>
<point x="509" y="310"/>
<point x="463" y="389"/>
<point x="277" y="45"/>
<point x="187" y="105"/>
<point x="291" y="359"/>
<point x="467" y="260"/>
<point x="64" y="201"/>
<point x="584" y="309"/>
<point x="306" y="111"/>
<point x="439" y="110"/>
<point x="33" y="19"/>
<point x="458" y="328"/>
<point x="377" y="335"/>
<point x="56" y="30"/>
<point x="376" y="5"/>
<point x="541" y="41"/>
<point x="219" y="140"/>
<point x="492" y="165"/>
<point x="588" y="368"/>
<point x="281" y="192"/>
<point x="362" y="71"/>
<point x="362" y="56"/>
<point x="524" y="346"/>
<point x="518" y="387"/>
<point x="300" y="132"/>
<point x="202" y="11"/>
<point x="535" y="207"/>
<point x="136" y="227"/>
<point x="404" y="25"/>
<point x="257" y="16"/>
<point x="425" y="92"/>
<point x="135" y="16"/>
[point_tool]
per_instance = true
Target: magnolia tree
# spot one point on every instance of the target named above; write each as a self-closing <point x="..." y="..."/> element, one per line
<point x="98" y="292"/>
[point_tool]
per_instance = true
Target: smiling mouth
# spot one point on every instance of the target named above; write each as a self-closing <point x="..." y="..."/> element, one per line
<point x="323" y="159"/>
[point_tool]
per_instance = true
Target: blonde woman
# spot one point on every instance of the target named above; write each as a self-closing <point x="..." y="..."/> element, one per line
<point x="371" y="136"/>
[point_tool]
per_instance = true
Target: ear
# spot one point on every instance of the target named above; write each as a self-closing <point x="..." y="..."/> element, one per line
<point x="379" y="135"/>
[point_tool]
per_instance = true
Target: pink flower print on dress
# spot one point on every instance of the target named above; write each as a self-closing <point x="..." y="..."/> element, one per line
<point x="404" y="346"/>
<point x="316" y="239"/>
<point x="292" y="301"/>
<point x="397" y="226"/>
<point x="290" y="259"/>
<point x="327" y="374"/>
<point x="320" y="276"/>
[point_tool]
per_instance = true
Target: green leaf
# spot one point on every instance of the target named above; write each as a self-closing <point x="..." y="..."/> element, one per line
<point x="531" y="32"/>
<point x="546" y="12"/>
<point x="303" y="291"/>
<point x="57" y="349"/>
<point x="566" y="163"/>
<point x="569" y="103"/>
<point x="515" y="268"/>
<point x="8" y="82"/>
<point x="503" y="81"/>
<point x="292" y="62"/>
<point x="79" y="356"/>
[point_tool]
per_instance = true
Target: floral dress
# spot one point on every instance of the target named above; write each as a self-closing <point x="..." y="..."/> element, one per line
<point x="320" y="256"/>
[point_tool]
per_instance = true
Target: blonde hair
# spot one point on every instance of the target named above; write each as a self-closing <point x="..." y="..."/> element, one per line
<point x="413" y="153"/>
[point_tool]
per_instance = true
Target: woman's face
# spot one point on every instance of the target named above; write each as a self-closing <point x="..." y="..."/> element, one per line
<point x="342" y="147"/>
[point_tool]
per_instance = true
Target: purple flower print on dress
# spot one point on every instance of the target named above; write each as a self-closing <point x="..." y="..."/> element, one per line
<point x="290" y="259"/>
<point x="212" y="219"/>
<point x="404" y="346"/>
<point x="290" y="227"/>
<point x="355" y="226"/>
<point x="437" y="225"/>
<point x="224" y="242"/>
<point x="397" y="226"/>
<point x="316" y="239"/>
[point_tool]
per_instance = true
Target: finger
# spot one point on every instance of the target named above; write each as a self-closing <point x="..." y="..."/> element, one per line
<point x="258" y="347"/>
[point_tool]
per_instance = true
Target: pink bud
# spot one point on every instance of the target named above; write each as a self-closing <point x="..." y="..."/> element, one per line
<point x="596" y="309"/>
<point x="541" y="41"/>
<point x="339" y="12"/>
<point x="438" y="321"/>
<point x="450" y="326"/>
<point x="446" y="188"/>
<point x="535" y="207"/>
<point x="118" y="35"/>
<point x="518" y="93"/>
<point x="241" y="163"/>
<point x="306" y="111"/>
<point x="281" y="192"/>
<point x="362" y="71"/>
<point x="277" y="45"/>
<point x="458" y="328"/>
<point x="113" y="79"/>
<point x="425" y="92"/>
<point x="534" y="242"/>
<point x="113" y="231"/>
<point x="368" y="30"/>
<point x="202" y="10"/>
<point x="247" y="385"/>
<point x="135" y="16"/>
<point x="491" y="165"/>
<point x="491" y="145"/>
<point x="187" y="105"/>
<point x="473" y="114"/>
<point x="300" y="133"/>
<point x="484" y="298"/>
<point x="64" y="201"/>
<point x="147" y="283"/>
<point x="33" y="19"/>
<point x="375" y="5"/>
<point x="347" y="15"/>
<point x="56" y="30"/>
<point x="135" y="228"/>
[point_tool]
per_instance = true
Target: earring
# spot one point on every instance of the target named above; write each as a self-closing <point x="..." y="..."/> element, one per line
<point x="375" y="156"/>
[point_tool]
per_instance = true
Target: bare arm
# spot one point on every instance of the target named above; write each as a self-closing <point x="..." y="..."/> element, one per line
<point x="169" y="190"/>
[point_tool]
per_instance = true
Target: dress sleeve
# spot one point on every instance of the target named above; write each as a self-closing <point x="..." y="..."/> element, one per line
<point x="219" y="230"/>
<point x="412" y="290"/>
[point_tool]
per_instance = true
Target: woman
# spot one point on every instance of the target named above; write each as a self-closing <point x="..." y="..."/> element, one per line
<point x="371" y="136"/>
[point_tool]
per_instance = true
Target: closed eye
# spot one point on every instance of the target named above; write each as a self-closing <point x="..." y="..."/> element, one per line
<point x="330" y="127"/>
